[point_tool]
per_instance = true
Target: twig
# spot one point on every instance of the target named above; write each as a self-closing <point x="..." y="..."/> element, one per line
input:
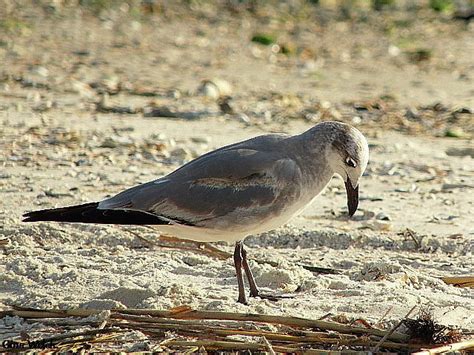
<point x="269" y="346"/>
<point x="92" y="332"/>
<point x="142" y="238"/>
<point x="412" y="235"/>
<point x="321" y="270"/>
<point x="85" y="339"/>
<point x="61" y="340"/>
<point x="221" y="254"/>
<point x="203" y="248"/>
<point x="462" y="345"/>
<point x="200" y="247"/>
<point x="384" y="315"/>
<point x="188" y="313"/>
<point x="363" y="322"/>
<point x="64" y="322"/>
<point x="179" y="246"/>
<point x="27" y="313"/>
<point x="205" y="331"/>
<point x="391" y="331"/>
<point x="230" y="326"/>
<point x="291" y="321"/>
<point x="185" y="322"/>
<point x="210" y="249"/>
<point x="327" y="315"/>
<point x="459" y="281"/>
<point x="225" y="345"/>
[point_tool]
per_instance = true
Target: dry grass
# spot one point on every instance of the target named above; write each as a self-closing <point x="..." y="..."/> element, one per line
<point x="184" y="329"/>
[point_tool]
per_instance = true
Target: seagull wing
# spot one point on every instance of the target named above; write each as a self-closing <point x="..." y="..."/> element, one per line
<point x="230" y="181"/>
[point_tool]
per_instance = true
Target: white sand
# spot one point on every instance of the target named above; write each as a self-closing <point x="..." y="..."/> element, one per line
<point x="57" y="150"/>
<point x="50" y="265"/>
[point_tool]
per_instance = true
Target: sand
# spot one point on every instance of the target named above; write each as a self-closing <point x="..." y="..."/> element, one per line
<point x="414" y="225"/>
<point x="51" y="265"/>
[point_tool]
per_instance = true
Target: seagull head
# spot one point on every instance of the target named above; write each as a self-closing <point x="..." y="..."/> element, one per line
<point x="348" y="157"/>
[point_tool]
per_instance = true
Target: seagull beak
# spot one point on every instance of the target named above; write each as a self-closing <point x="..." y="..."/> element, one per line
<point x="352" y="197"/>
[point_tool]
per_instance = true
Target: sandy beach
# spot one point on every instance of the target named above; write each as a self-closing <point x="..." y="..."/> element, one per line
<point x="99" y="105"/>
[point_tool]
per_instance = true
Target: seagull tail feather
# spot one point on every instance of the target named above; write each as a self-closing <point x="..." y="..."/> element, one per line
<point x="89" y="213"/>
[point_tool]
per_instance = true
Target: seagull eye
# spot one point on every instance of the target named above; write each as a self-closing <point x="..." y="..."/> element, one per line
<point x="350" y="162"/>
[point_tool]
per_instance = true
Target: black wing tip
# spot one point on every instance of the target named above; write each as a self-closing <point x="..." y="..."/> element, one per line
<point x="54" y="214"/>
<point x="89" y="213"/>
<point x="27" y="218"/>
<point x="31" y="216"/>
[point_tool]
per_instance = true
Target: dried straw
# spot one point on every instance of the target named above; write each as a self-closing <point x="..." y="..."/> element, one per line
<point x="462" y="345"/>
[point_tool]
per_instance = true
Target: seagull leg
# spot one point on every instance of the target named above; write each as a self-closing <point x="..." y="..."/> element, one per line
<point x="254" y="291"/>
<point x="238" y="259"/>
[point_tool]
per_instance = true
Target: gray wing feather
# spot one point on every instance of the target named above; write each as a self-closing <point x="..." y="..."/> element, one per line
<point x="236" y="177"/>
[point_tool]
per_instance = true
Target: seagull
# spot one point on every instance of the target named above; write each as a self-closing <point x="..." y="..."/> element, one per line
<point x="242" y="189"/>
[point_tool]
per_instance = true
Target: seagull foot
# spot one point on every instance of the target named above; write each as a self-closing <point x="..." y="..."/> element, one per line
<point x="242" y="300"/>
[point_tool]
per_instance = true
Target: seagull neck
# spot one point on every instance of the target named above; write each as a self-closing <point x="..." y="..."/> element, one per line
<point x="315" y="143"/>
<point x="311" y="153"/>
<point x="317" y="137"/>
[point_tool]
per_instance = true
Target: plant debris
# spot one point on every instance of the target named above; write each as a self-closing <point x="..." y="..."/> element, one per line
<point x="424" y="329"/>
<point x="182" y="328"/>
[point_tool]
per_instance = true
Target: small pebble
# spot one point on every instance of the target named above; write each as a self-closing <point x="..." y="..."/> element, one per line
<point x="381" y="216"/>
<point x="377" y="225"/>
<point x="460" y="152"/>
<point x="215" y="88"/>
<point x="41" y="71"/>
<point x="181" y="153"/>
<point x="201" y="139"/>
<point x="244" y="118"/>
<point x="393" y="51"/>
